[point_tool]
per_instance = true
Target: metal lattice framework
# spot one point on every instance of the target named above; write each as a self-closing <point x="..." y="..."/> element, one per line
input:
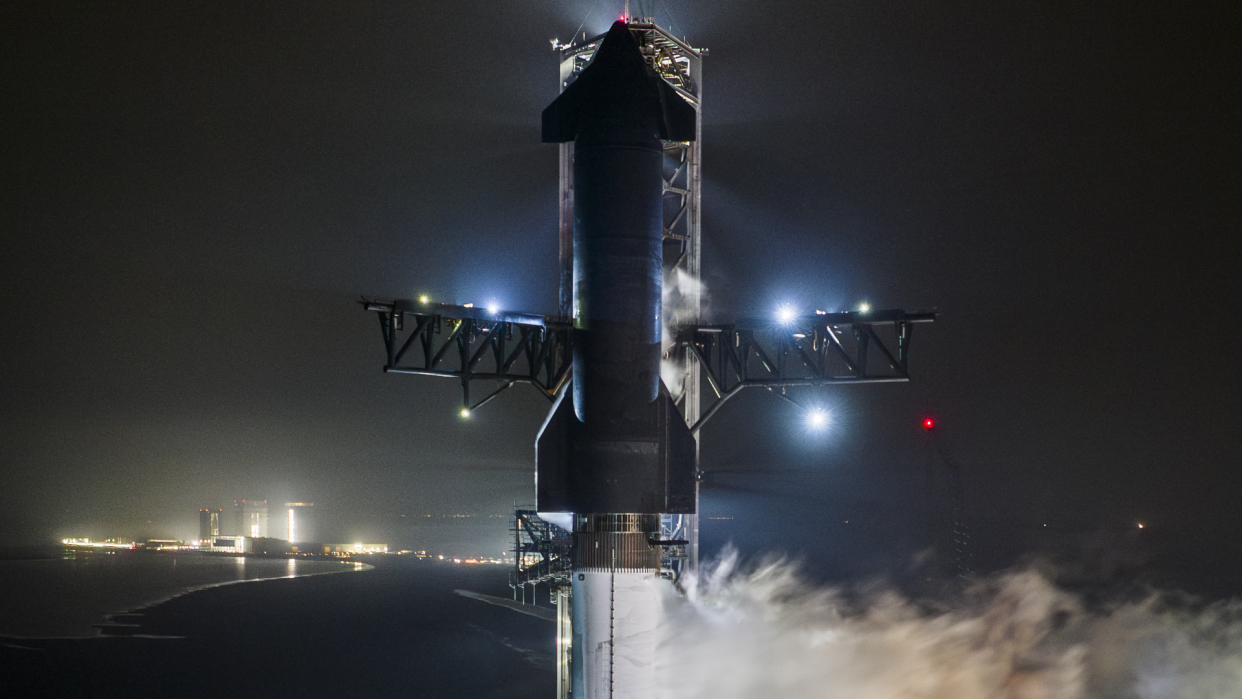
<point x="817" y="350"/>
<point x="542" y="551"/>
<point x="474" y="344"/>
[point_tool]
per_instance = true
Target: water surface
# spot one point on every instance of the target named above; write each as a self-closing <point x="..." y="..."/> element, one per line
<point x="64" y="596"/>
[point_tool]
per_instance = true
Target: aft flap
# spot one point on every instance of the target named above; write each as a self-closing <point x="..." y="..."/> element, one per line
<point x="560" y="119"/>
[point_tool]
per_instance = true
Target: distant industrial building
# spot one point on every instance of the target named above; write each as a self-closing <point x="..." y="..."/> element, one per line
<point x="268" y="546"/>
<point x="249" y="518"/>
<point x="346" y="549"/>
<point x="224" y="544"/>
<point x="208" y="523"/>
<point x="301" y="521"/>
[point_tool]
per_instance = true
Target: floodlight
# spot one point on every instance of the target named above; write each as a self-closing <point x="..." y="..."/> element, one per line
<point x="817" y="419"/>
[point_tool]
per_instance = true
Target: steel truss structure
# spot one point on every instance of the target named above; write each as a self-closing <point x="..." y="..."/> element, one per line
<point x="817" y="350"/>
<point x="474" y="344"/>
<point x="542" y="552"/>
<point x="506" y="348"/>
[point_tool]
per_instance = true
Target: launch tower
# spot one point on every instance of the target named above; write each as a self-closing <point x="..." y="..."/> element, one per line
<point x="630" y="368"/>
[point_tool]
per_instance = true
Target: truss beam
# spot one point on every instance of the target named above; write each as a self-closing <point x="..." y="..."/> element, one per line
<point x="474" y="344"/>
<point x="816" y="350"/>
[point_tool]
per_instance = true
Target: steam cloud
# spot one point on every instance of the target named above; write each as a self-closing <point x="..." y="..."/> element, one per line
<point x="765" y="633"/>
<point x="679" y="308"/>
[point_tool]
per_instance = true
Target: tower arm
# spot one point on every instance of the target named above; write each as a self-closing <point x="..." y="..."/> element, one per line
<point x="814" y="350"/>
<point x="474" y="344"/>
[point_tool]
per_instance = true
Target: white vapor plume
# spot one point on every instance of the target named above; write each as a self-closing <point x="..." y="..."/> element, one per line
<point x="765" y="633"/>
<point x="684" y="302"/>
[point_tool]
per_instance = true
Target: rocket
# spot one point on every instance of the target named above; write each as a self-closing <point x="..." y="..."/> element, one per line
<point x="615" y="442"/>
<point x="614" y="450"/>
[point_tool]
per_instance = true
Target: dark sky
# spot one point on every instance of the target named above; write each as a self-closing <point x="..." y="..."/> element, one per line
<point x="196" y="193"/>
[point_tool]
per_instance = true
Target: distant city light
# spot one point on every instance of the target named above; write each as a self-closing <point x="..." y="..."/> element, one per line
<point x="1140" y="525"/>
<point x="109" y="544"/>
<point x="424" y="299"/>
<point x="817" y="419"/>
<point x="785" y="315"/>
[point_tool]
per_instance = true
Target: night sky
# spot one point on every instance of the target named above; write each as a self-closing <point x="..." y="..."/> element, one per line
<point x="196" y="194"/>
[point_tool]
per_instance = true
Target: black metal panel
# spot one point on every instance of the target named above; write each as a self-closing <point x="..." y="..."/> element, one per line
<point x="554" y="453"/>
<point x="653" y="473"/>
<point x="679" y="460"/>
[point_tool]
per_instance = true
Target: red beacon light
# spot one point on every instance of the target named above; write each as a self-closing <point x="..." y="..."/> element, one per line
<point x="929" y="423"/>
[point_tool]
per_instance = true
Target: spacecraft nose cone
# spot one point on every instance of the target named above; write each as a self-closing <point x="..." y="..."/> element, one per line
<point x="618" y="97"/>
<point x="619" y="49"/>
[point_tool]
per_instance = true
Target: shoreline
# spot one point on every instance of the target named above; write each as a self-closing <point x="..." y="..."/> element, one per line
<point x="140" y="611"/>
<point x="399" y="630"/>
<point x="68" y="598"/>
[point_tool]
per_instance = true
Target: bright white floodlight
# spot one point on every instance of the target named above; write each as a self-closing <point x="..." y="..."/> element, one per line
<point x="493" y="308"/>
<point x="785" y="315"/>
<point x="864" y="307"/>
<point x="817" y="419"/>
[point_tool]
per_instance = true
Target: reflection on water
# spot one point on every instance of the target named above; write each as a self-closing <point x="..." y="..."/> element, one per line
<point x="291" y="568"/>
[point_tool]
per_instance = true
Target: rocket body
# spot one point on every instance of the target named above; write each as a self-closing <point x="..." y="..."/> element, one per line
<point x="616" y="442"/>
<point x="617" y="277"/>
<point x="615" y="451"/>
<point x="616" y="607"/>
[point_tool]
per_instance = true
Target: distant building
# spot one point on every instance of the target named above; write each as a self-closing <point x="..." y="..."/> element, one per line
<point x="249" y="518"/>
<point x="301" y="521"/>
<point x="255" y="514"/>
<point x="346" y="549"/>
<point x="225" y="544"/>
<point x="208" y="523"/>
<point x="160" y="544"/>
<point x="268" y="546"/>
<point x="236" y="521"/>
